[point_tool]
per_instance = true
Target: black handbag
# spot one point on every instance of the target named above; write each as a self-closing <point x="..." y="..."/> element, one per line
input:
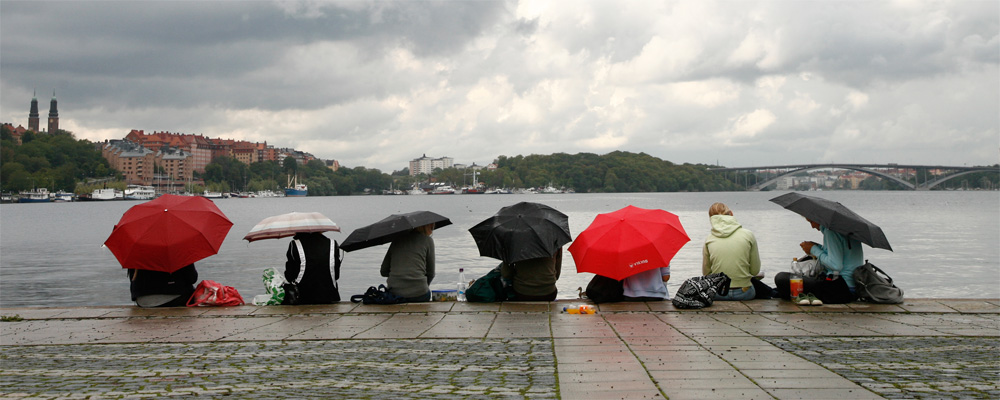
<point x="292" y="296"/>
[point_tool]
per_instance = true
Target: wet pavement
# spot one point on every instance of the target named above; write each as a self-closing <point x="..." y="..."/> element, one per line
<point x="762" y="349"/>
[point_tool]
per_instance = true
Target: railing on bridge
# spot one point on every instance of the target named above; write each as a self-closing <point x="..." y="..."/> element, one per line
<point x="892" y="172"/>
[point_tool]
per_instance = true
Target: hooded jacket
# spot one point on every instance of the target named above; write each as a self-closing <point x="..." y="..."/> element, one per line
<point x="732" y="250"/>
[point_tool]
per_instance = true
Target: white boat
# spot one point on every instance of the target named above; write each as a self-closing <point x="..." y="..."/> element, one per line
<point x="211" y="195"/>
<point x="101" y="195"/>
<point x="40" y="195"/>
<point x="139" y="192"/>
<point x="62" y="197"/>
<point x="443" y="190"/>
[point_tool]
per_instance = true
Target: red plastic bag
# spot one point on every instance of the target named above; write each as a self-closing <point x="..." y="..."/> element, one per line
<point x="212" y="293"/>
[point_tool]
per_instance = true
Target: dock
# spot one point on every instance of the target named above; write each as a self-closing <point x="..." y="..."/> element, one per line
<point x="761" y="349"/>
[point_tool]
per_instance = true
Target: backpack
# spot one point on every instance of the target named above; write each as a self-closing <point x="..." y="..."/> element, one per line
<point x="377" y="295"/>
<point x="875" y="286"/>
<point x="699" y="291"/>
<point x="602" y="289"/>
<point x="487" y="289"/>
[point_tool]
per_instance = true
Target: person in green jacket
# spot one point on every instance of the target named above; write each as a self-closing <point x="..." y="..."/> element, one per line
<point x="732" y="250"/>
<point x="409" y="265"/>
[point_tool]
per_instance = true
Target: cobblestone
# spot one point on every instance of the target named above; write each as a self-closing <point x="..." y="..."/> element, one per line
<point x="430" y="369"/>
<point x="908" y="367"/>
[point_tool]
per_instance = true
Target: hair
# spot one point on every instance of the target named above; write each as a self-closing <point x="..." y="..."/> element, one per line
<point x="425" y="229"/>
<point x="719" y="209"/>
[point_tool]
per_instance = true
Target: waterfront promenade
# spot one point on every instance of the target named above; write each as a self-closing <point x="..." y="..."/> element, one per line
<point x="763" y="349"/>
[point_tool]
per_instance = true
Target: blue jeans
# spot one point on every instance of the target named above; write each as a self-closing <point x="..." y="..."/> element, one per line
<point x="737" y="295"/>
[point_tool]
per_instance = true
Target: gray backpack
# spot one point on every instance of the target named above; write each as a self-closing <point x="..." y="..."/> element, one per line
<point x="875" y="286"/>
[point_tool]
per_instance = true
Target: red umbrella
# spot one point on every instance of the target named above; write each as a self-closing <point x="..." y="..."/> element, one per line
<point x="168" y="233"/>
<point x="628" y="241"/>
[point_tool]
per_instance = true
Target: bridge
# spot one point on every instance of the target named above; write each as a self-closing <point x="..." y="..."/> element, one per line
<point x="892" y="172"/>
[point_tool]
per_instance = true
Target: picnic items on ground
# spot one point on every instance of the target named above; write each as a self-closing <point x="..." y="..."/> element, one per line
<point x="212" y="293"/>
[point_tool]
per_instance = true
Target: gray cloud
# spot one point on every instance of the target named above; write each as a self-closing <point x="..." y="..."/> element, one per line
<point x="379" y="83"/>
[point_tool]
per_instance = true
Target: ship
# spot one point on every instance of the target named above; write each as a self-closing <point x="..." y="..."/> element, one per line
<point x="40" y="195"/>
<point x="296" y="189"/>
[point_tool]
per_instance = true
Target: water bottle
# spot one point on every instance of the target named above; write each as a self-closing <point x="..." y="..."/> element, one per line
<point x="582" y="309"/>
<point x="462" y="284"/>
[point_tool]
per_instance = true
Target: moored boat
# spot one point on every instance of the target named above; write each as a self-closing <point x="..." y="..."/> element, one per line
<point x="139" y="192"/>
<point x="296" y="189"/>
<point x="445" y="189"/>
<point x="39" y="195"/>
<point x="100" y="195"/>
<point x="63" y="197"/>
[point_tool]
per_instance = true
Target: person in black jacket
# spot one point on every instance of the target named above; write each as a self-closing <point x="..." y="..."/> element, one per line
<point x="162" y="289"/>
<point x="317" y="285"/>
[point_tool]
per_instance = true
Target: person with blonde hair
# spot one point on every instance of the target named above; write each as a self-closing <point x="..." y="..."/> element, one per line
<point x="731" y="249"/>
<point x="409" y="265"/>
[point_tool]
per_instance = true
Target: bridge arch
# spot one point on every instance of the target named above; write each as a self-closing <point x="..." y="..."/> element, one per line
<point x="802" y="168"/>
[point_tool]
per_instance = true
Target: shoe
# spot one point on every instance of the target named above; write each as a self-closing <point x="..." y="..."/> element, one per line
<point x="814" y="301"/>
<point x="802" y="299"/>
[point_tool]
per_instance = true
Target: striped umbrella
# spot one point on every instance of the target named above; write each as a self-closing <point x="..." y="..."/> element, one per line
<point x="286" y="225"/>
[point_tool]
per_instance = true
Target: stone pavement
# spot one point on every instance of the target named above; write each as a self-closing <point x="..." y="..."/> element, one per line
<point x="763" y="349"/>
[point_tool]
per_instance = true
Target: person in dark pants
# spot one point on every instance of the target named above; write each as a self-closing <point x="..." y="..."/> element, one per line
<point x="840" y="256"/>
<point x="317" y="286"/>
<point x="162" y="289"/>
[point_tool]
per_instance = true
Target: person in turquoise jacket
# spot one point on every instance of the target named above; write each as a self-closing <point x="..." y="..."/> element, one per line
<point x="732" y="250"/>
<point x="840" y="256"/>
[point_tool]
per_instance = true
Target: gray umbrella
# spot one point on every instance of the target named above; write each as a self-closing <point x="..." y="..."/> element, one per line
<point x="834" y="216"/>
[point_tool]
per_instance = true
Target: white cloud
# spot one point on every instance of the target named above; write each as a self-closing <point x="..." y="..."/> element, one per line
<point x="379" y="83"/>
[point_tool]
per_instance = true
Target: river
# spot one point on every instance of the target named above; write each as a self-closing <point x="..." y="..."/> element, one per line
<point x="947" y="243"/>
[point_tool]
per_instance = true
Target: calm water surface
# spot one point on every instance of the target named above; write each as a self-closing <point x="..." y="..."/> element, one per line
<point x="947" y="244"/>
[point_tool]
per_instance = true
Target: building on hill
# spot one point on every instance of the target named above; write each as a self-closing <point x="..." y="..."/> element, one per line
<point x="17" y="133"/>
<point x="426" y="165"/>
<point x="142" y="166"/>
<point x="204" y="149"/>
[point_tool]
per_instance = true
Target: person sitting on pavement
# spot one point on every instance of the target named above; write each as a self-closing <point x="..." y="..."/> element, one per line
<point x="840" y="256"/>
<point x="534" y="279"/>
<point x="317" y="286"/>
<point x="731" y="249"/>
<point x="409" y="265"/>
<point x="162" y="289"/>
<point x="649" y="285"/>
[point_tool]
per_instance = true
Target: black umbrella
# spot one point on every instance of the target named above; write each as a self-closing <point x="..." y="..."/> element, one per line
<point x="522" y="231"/>
<point x="390" y="228"/>
<point x="834" y="216"/>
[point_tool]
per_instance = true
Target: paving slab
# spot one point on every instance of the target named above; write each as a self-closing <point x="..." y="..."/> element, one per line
<point x="923" y="348"/>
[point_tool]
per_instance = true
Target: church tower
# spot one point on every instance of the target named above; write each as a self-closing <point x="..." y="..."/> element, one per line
<point x="33" y="114"/>
<point x="53" y="115"/>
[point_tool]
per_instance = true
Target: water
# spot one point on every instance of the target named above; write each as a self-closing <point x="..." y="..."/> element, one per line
<point x="947" y="244"/>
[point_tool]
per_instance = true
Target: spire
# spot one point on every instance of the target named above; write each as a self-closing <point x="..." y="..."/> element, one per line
<point x="53" y="112"/>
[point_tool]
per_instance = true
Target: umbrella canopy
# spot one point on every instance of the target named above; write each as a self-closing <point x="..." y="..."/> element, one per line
<point x="391" y="227"/>
<point x="834" y="216"/>
<point x="628" y="241"/>
<point x="168" y="233"/>
<point x="286" y="225"/>
<point x="522" y="231"/>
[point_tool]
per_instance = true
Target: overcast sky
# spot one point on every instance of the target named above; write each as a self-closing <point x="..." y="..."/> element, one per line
<point x="376" y="84"/>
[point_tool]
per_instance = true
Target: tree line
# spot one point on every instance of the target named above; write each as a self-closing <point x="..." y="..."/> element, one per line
<point x="58" y="161"/>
